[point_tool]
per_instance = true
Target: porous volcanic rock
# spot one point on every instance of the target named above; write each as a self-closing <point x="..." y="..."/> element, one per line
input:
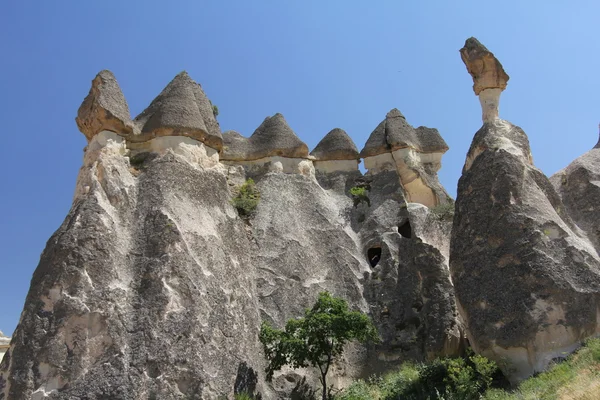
<point x="579" y="188"/>
<point x="526" y="278"/>
<point x="182" y="108"/>
<point x="336" y="145"/>
<point x="104" y="108"/>
<point x="273" y="137"/>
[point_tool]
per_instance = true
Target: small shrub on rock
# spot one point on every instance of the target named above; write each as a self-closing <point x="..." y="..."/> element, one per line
<point x="359" y="194"/>
<point x="443" y="211"/>
<point x="246" y="199"/>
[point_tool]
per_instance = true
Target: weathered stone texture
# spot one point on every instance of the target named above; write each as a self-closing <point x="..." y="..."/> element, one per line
<point x="104" y="108"/>
<point x="579" y="188"/>
<point x="273" y="137"/>
<point x="484" y="67"/>
<point x="181" y="108"/>
<point x="336" y="145"/>
<point x="526" y="278"/>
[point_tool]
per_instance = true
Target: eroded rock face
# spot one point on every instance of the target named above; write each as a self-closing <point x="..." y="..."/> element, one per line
<point x="526" y="278"/>
<point x="578" y="185"/>
<point x="104" y="108"/>
<point x="415" y="155"/>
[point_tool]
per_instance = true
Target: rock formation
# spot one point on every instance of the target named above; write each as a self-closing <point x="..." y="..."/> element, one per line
<point x="336" y="152"/>
<point x="104" y="108"/>
<point x="154" y="287"/>
<point x="489" y="78"/>
<point x="415" y="155"/>
<point x="578" y="185"/>
<point x="273" y="145"/>
<point x="4" y="345"/>
<point x="527" y="279"/>
<point x="181" y="108"/>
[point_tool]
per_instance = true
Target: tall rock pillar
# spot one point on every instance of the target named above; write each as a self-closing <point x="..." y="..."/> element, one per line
<point x="489" y="78"/>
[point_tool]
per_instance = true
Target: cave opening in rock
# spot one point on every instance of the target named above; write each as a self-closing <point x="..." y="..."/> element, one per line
<point x="374" y="255"/>
<point x="405" y="230"/>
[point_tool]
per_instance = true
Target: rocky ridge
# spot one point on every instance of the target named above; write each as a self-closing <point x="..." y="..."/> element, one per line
<point x="154" y="287"/>
<point x="526" y="276"/>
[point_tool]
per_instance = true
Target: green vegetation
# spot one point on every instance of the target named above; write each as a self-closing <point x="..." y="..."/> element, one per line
<point x="215" y="109"/>
<point x="317" y="339"/>
<point x="448" y="379"/>
<point x="443" y="211"/>
<point x="247" y="198"/>
<point x="359" y="194"/>
<point x="138" y="160"/>
<point x="243" y="396"/>
<point x="576" y="378"/>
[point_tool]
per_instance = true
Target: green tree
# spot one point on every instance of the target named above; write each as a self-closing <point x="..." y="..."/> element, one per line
<point x="317" y="338"/>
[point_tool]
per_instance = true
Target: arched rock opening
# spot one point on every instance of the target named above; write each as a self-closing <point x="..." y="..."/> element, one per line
<point x="405" y="229"/>
<point x="374" y="255"/>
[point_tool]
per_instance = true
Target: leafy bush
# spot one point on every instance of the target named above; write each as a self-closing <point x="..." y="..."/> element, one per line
<point x="246" y="199"/>
<point x="243" y="396"/>
<point x="215" y="109"/>
<point x="448" y="378"/>
<point x="359" y="194"/>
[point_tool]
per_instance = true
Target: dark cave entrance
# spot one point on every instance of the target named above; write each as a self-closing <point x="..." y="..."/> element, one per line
<point x="374" y="255"/>
<point x="405" y="230"/>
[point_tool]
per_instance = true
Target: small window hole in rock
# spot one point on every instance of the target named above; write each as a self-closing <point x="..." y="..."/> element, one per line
<point x="405" y="230"/>
<point x="374" y="255"/>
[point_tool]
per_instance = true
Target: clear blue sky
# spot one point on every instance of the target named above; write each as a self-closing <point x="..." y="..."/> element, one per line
<point x="323" y="64"/>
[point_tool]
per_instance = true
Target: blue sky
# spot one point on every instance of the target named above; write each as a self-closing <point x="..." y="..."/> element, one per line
<point x="323" y="64"/>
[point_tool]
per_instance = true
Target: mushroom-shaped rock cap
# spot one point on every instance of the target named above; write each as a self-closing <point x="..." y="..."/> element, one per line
<point x="104" y="108"/>
<point x="273" y="137"/>
<point x="484" y="67"/>
<point x="336" y="145"/>
<point x="181" y="108"/>
<point x="394" y="133"/>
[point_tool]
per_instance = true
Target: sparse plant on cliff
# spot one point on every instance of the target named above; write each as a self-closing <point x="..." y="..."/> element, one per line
<point x="359" y="194"/>
<point x="317" y="339"/>
<point x="246" y="199"/>
<point x="215" y="109"/>
<point x="443" y="211"/>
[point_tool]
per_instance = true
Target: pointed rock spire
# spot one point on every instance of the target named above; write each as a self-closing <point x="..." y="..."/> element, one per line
<point x="336" y="145"/>
<point x="394" y="132"/>
<point x="181" y="108"/>
<point x="104" y="108"/>
<point x="597" y="146"/>
<point x="273" y="137"/>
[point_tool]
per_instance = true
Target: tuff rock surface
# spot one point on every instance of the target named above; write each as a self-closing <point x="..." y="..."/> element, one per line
<point x="578" y="185"/>
<point x="526" y="277"/>
<point x="154" y="287"/>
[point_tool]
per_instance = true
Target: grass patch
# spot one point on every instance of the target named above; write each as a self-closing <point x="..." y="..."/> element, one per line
<point x="474" y="377"/>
